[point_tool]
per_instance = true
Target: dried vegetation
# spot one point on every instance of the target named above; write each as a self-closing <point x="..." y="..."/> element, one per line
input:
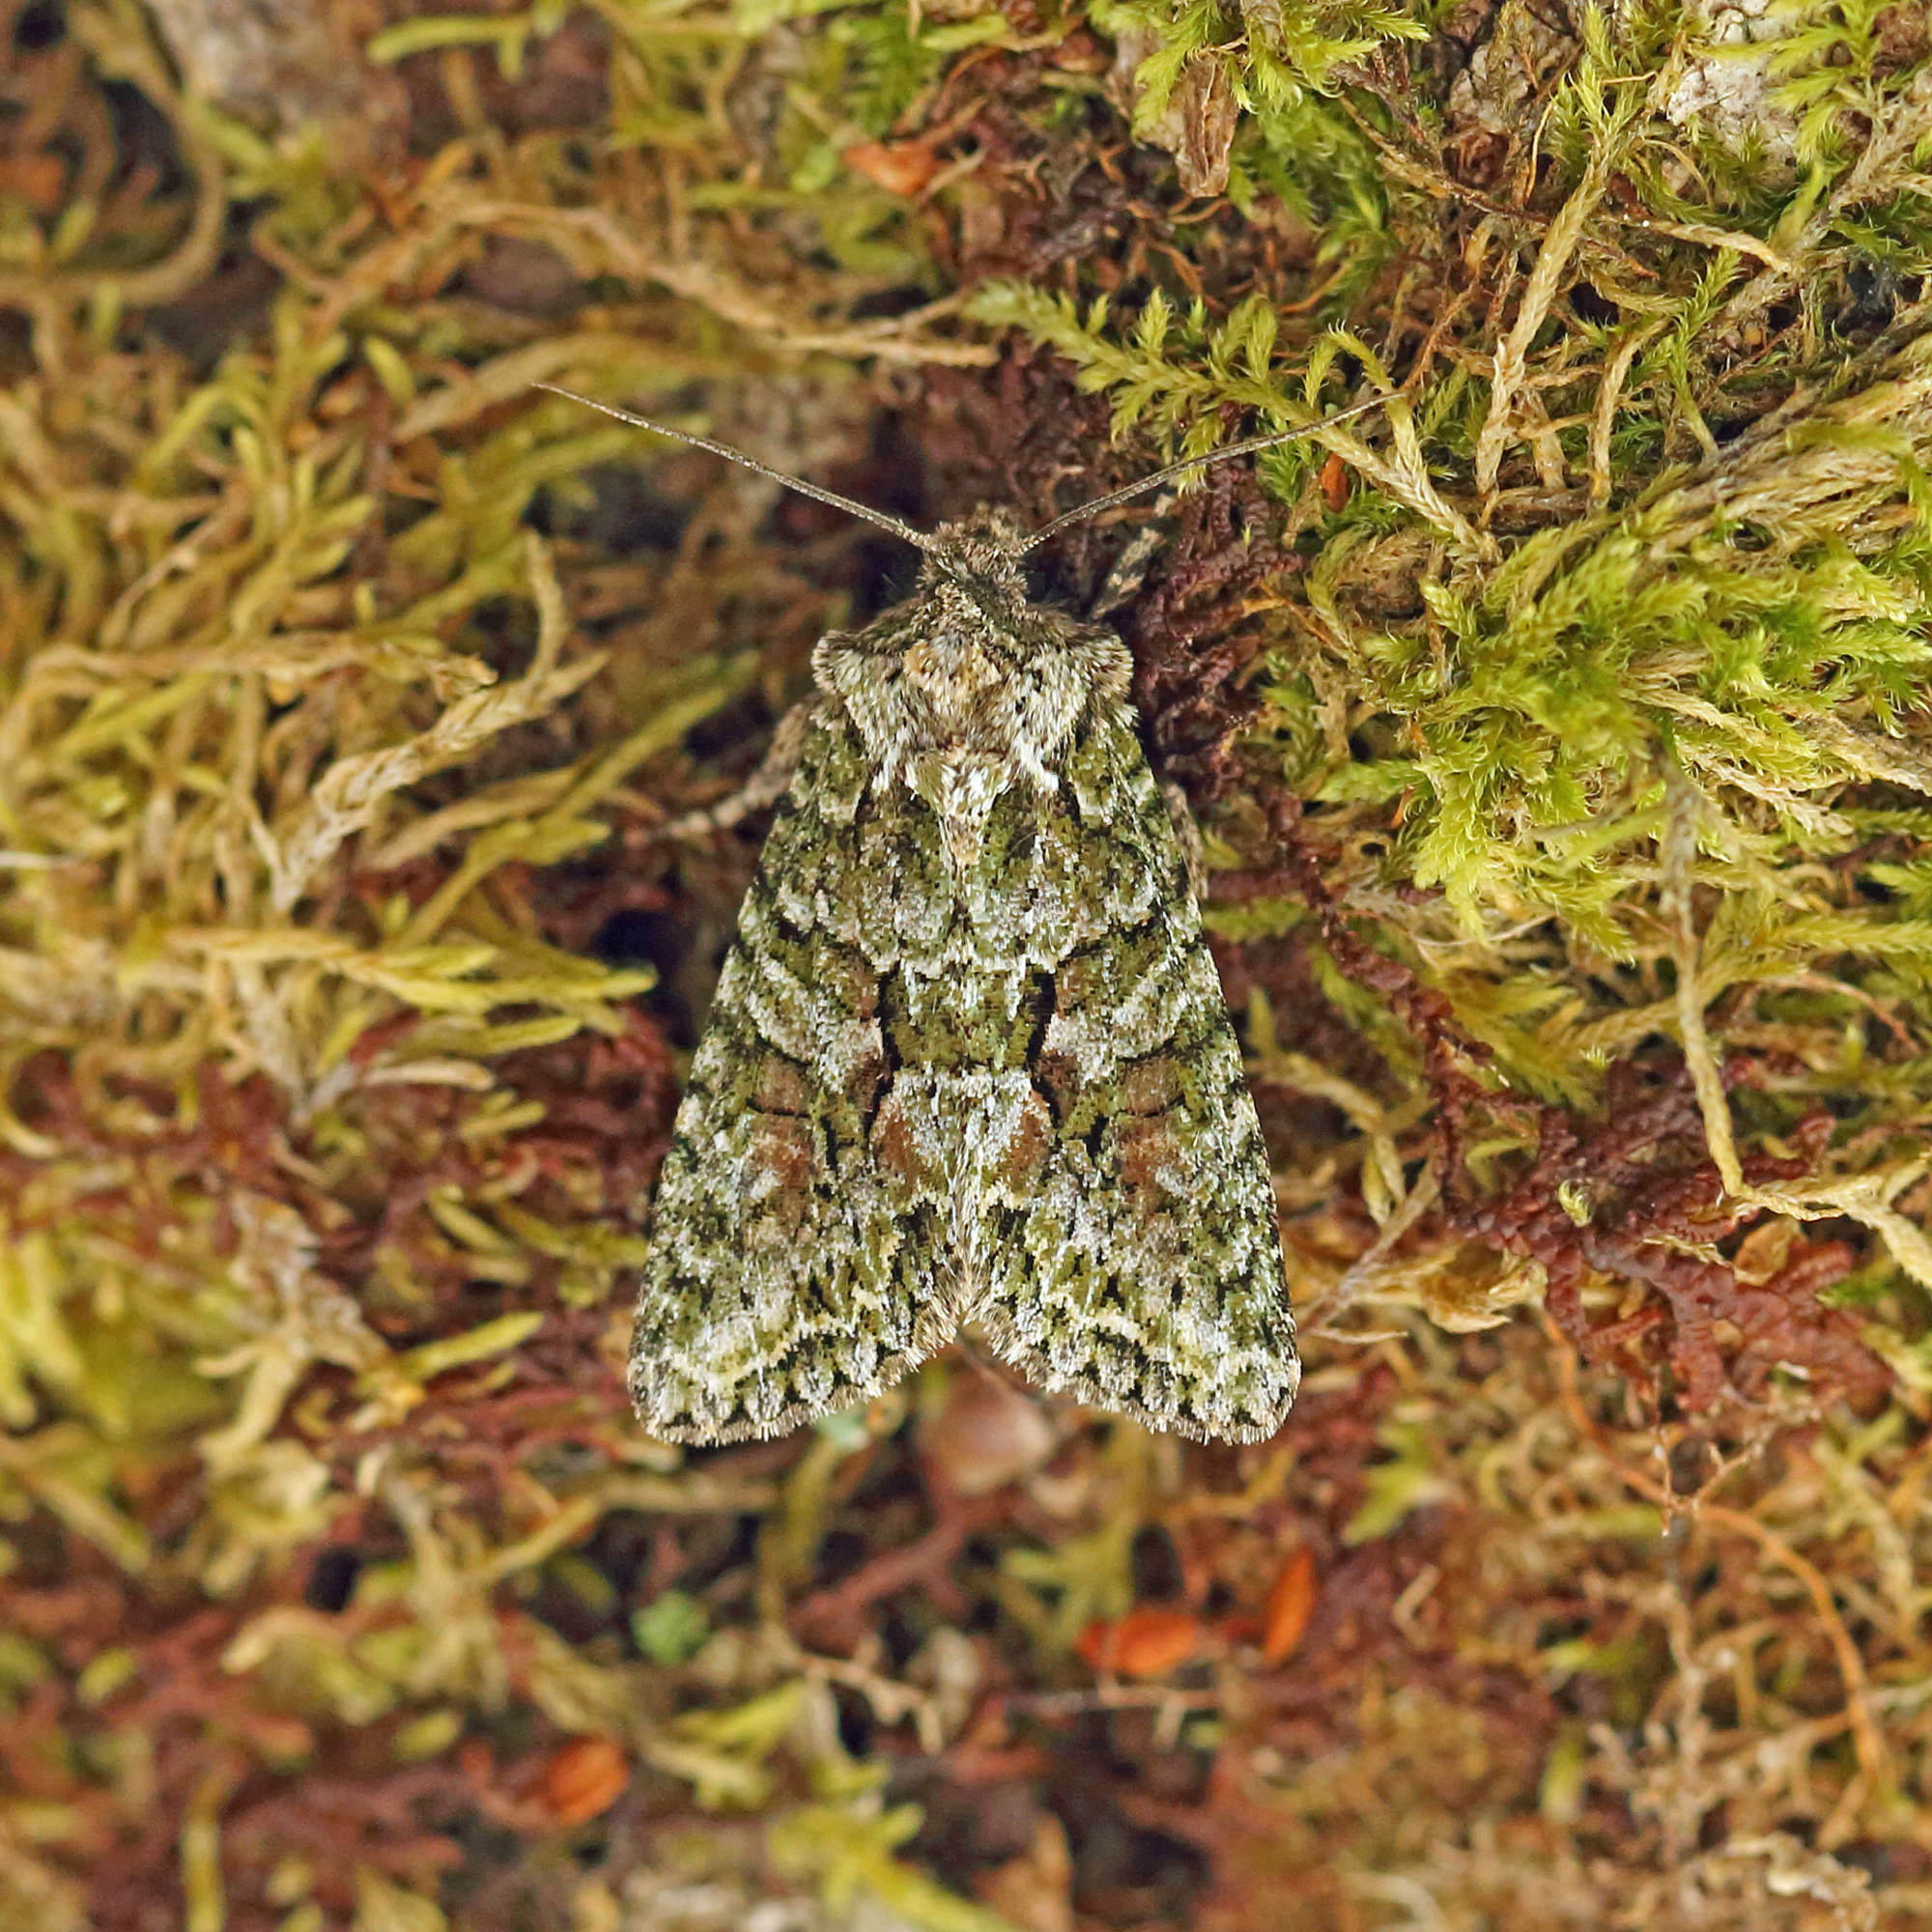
<point x="1561" y="738"/>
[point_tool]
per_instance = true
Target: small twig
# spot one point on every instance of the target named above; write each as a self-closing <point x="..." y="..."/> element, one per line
<point x="1874" y="1760"/>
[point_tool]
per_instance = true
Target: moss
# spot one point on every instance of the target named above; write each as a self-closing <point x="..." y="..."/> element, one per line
<point x="1561" y="741"/>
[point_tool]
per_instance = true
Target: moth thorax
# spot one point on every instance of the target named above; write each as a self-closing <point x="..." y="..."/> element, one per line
<point x="954" y="675"/>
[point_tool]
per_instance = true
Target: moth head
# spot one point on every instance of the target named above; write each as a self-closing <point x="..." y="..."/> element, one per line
<point x="982" y="549"/>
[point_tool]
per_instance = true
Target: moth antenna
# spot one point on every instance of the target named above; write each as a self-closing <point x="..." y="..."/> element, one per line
<point x="1131" y="490"/>
<point x="904" y="531"/>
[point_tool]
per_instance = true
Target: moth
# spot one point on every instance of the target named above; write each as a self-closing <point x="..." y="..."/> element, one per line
<point x="969" y="1064"/>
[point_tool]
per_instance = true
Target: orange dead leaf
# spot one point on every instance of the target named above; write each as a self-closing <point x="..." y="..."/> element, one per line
<point x="1144" y="1643"/>
<point x="1335" y="482"/>
<point x="582" y="1780"/>
<point x="1291" y="1602"/>
<point x="1080" y="53"/>
<point x="900" y="167"/>
<point x="39" y="180"/>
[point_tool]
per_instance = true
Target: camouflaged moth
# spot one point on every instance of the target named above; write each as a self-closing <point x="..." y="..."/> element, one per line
<point x="969" y="1063"/>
